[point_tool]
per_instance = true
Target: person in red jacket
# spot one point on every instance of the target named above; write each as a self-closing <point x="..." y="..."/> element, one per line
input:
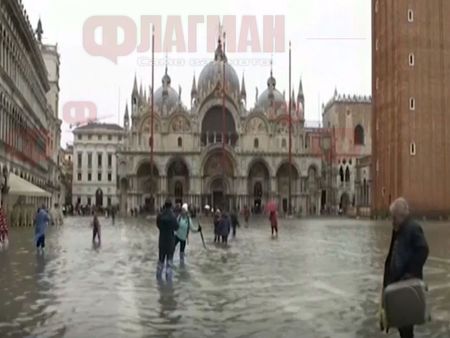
<point x="3" y="226"/>
<point x="273" y="222"/>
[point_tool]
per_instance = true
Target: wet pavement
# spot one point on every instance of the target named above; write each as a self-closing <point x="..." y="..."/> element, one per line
<point x="320" y="278"/>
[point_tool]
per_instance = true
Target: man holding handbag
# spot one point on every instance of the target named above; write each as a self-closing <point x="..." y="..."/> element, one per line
<point x="408" y="252"/>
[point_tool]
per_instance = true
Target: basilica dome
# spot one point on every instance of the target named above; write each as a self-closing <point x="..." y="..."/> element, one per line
<point x="166" y="98"/>
<point x="213" y="72"/>
<point x="271" y="98"/>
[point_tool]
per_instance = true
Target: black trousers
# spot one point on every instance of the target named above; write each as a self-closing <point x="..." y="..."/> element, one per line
<point x="182" y="245"/>
<point x="406" y="332"/>
<point x="224" y="239"/>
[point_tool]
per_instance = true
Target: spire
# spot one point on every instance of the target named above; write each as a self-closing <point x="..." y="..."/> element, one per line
<point x="243" y="91"/>
<point x="127" y="115"/>
<point x="135" y="86"/>
<point x="300" y="94"/>
<point x="126" y="118"/>
<point x="166" y="78"/>
<point x="335" y="92"/>
<point x="219" y="54"/>
<point x="271" y="82"/>
<point x="141" y="91"/>
<point x="39" y="30"/>
<point x="194" y="88"/>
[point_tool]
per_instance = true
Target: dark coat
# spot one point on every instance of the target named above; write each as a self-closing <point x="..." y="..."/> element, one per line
<point x="167" y="224"/>
<point x="217" y="225"/>
<point x="224" y="226"/>
<point x="407" y="258"/>
<point x="234" y="220"/>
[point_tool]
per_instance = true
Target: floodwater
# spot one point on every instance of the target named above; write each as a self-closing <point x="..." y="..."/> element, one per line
<point x="320" y="278"/>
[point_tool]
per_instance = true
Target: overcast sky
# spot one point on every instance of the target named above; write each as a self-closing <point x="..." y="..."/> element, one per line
<point x="331" y="47"/>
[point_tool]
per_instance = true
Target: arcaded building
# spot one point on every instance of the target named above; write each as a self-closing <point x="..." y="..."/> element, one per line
<point x="411" y="105"/>
<point x="190" y="163"/>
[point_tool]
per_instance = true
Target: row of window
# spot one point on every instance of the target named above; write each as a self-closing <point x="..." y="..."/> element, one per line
<point x="89" y="177"/>
<point x="17" y="132"/>
<point x="410" y="12"/>
<point x="16" y="62"/>
<point x="411" y="57"/>
<point x="99" y="137"/>
<point x="89" y="160"/>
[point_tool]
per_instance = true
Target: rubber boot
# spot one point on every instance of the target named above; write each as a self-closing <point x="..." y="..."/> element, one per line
<point x="159" y="270"/>
<point x="169" y="273"/>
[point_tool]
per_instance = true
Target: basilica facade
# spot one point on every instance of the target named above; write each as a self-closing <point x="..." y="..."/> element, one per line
<point x="218" y="152"/>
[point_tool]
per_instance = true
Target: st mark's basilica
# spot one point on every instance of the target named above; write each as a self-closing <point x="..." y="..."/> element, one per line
<point x="190" y="163"/>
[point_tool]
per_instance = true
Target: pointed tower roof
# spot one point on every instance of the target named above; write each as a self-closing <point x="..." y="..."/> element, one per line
<point x="39" y="30"/>
<point x="271" y="82"/>
<point x="135" y="86"/>
<point x="243" y="90"/>
<point x="141" y="91"/>
<point x="335" y="92"/>
<point x="194" y="87"/>
<point x="127" y="115"/>
<point x="300" y="90"/>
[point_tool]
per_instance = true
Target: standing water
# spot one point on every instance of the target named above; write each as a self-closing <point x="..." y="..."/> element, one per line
<point x="319" y="278"/>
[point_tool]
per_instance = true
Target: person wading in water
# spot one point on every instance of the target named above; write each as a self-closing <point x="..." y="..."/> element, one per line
<point x="167" y="225"/>
<point x="182" y="234"/>
<point x="274" y="222"/>
<point x="96" y="228"/>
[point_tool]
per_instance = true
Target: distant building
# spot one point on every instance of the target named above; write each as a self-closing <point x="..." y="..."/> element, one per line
<point x="411" y="116"/>
<point x="95" y="150"/>
<point x="348" y="118"/>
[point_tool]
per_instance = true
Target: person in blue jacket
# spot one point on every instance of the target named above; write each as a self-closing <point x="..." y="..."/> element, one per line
<point x="41" y="222"/>
<point x="184" y="226"/>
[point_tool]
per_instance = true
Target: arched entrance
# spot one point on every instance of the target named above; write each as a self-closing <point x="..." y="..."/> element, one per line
<point x="283" y="184"/>
<point x="178" y="180"/>
<point x="148" y="187"/>
<point x="258" y="185"/>
<point x="218" y="174"/>
<point x="218" y="190"/>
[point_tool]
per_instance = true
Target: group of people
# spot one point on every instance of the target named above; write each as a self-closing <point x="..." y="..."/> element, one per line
<point x="174" y="229"/>
<point x="223" y="224"/>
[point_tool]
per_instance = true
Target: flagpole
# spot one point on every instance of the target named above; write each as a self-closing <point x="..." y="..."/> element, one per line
<point x="290" y="135"/>
<point x="224" y="121"/>
<point x="151" y="141"/>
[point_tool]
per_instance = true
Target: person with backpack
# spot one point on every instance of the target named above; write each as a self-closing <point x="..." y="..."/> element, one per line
<point x="182" y="234"/>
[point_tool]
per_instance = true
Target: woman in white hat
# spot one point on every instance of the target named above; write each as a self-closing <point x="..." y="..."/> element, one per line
<point x="182" y="234"/>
